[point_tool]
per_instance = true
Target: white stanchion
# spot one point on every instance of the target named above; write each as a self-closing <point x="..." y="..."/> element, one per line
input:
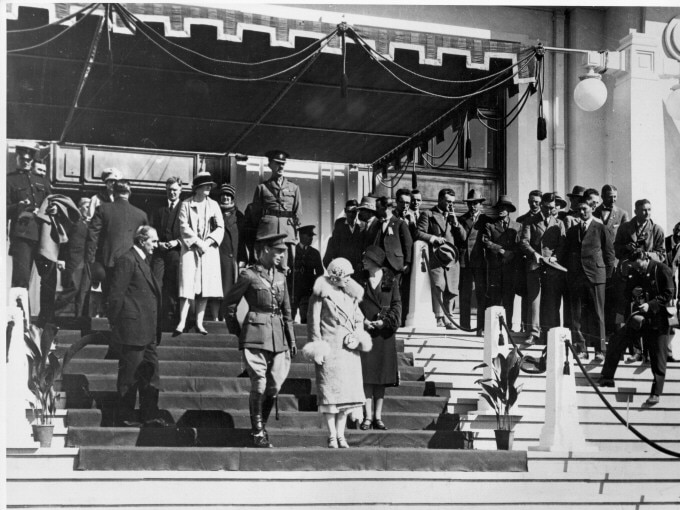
<point x="492" y="333"/>
<point x="19" y="433"/>
<point x="562" y="431"/>
<point x="420" y="314"/>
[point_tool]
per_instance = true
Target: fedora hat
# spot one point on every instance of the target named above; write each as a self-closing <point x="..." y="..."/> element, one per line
<point x="201" y="179"/>
<point x="446" y="254"/>
<point x="367" y="203"/>
<point x="505" y="201"/>
<point x="474" y="196"/>
<point x="376" y="254"/>
<point x="111" y="174"/>
<point x="577" y="191"/>
<point x="560" y="202"/>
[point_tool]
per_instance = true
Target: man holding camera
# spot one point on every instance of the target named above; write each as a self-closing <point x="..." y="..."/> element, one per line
<point x="649" y="290"/>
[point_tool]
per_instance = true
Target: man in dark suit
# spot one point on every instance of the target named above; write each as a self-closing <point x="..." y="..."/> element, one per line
<point x="500" y="238"/>
<point x="392" y="235"/>
<point x="308" y="268"/>
<point x="530" y="308"/>
<point x="113" y="228"/>
<point x="165" y="261"/>
<point x="439" y="226"/>
<point x="612" y="216"/>
<point x="649" y="290"/>
<point x="347" y="239"/>
<point x="134" y="301"/>
<point x="589" y="258"/>
<point x="542" y="240"/>
<point x="472" y="263"/>
<point x="673" y="255"/>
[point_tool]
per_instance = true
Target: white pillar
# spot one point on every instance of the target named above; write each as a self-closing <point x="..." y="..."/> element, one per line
<point x="420" y="314"/>
<point x="19" y="434"/>
<point x="492" y="332"/>
<point x="562" y="430"/>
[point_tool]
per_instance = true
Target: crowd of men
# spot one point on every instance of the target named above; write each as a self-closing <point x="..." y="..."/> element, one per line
<point x="585" y="264"/>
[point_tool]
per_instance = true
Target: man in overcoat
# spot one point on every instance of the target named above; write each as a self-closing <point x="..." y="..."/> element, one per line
<point x="472" y="263"/>
<point x="133" y="312"/>
<point x="542" y="241"/>
<point x="439" y="226"/>
<point x="501" y="238"/>
<point x="266" y="337"/>
<point x="589" y="259"/>
<point x="347" y="239"/>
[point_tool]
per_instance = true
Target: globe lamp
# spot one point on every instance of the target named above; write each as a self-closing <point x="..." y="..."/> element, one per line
<point x="590" y="94"/>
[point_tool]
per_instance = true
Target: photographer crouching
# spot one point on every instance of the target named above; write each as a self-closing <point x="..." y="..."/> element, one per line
<point x="649" y="290"/>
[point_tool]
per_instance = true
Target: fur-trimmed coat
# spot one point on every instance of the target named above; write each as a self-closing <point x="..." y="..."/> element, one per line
<point x="331" y="316"/>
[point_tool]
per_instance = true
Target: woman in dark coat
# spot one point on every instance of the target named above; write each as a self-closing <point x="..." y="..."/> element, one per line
<point x="381" y="307"/>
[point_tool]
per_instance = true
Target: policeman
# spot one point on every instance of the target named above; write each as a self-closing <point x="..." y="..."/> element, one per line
<point x="266" y="338"/>
<point x="308" y="268"/>
<point x="276" y="208"/>
<point x="26" y="191"/>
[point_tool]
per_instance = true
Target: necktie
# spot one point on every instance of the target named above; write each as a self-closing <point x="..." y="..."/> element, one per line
<point x="583" y="228"/>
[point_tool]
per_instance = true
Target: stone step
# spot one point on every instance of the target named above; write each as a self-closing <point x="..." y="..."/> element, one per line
<point x="212" y="369"/>
<point x="77" y="384"/>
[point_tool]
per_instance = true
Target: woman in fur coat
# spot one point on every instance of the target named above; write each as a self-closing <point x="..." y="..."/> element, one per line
<point x="381" y="306"/>
<point x="336" y="335"/>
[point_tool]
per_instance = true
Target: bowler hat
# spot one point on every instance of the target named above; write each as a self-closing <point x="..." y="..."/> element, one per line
<point x="109" y="174"/>
<point x="272" y="240"/>
<point x="505" y="201"/>
<point x="277" y="155"/>
<point x="367" y="203"/>
<point x="376" y="254"/>
<point x="227" y="189"/>
<point x="351" y="205"/>
<point x="307" y="229"/>
<point x="474" y="196"/>
<point x="201" y="179"/>
<point x="446" y="254"/>
<point x="577" y="191"/>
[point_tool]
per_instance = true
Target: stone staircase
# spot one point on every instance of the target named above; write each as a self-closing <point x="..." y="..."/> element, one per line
<point x="622" y="473"/>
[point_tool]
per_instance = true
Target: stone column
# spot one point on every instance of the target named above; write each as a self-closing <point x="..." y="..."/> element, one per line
<point x="636" y="141"/>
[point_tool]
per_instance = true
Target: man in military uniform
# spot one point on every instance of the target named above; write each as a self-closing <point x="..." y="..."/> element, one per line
<point x="26" y="191"/>
<point x="308" y="268"/>
<point x="266" y="338"/>
<point x="276" y="207"/>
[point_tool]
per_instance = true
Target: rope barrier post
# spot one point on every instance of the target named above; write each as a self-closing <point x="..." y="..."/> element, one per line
<point x="492" y="331"/>
<point x="18" y="395"/>
<point x="420" y="313"/>
<point x="562" y="430"/>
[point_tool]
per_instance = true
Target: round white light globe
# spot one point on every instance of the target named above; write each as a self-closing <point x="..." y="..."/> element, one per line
<point x="590" y="94"/>
<point x="673" y="103"/>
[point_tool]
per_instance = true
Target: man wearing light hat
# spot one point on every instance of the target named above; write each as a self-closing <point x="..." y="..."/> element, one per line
<point x="266" y="337"/>
<point x="500" y="240"/>
<point x="472" y="263"/>
<point x="308" y="268"/>
<point x="276" y="206"/>
<point x="110" y="176"/>
<point x="347" y="239"/>
<point x="25" y="193"/>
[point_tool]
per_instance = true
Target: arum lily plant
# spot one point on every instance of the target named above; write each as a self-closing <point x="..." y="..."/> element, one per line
<point x="501" y="391"/>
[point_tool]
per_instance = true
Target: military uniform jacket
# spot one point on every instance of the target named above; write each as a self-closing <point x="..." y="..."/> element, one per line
<point x="276" y="208"/>
<point x="308" y="268"/>
<point x="591" y="253"/>
<point x="650" y="236"/>
<point x="537" y="237"/>
<point x="433" y="223"/>
<point x="473" y="252"/>
<point x="268" y="324"/>
<point x="499" y="237"/>
<point x="22" y="186"/>
<point x="134" y="300"/>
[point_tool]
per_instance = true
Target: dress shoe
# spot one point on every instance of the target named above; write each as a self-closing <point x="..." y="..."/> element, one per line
<point x="157" y="423"/>
<point x="342" y="442"/>
<point x="176" y="333"/>
<point x="637" y="357"/>
<point x="599" y="357"/>
<point x="449" y="325"/>
<point x="366" y="424"/>
<point x="583" y="356"/>
<point x="378" y="424"/>
<point x="333" y="442"/>
<point x="201" y="331"/>
<point x="652" y="400"/>
<point x="531" y="340"/>
<point x="606" y="383"/>
<point x="261" y="440"/>
<point x="440" y="322"/>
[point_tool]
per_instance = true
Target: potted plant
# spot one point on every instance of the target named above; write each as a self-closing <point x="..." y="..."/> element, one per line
<point x="501" y="393"/>
<point x="44" y="368"/>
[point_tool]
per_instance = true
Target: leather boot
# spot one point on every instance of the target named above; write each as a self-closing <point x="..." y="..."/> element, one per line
<point x="267" y="406"/>
<point x="260" y="439"/>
